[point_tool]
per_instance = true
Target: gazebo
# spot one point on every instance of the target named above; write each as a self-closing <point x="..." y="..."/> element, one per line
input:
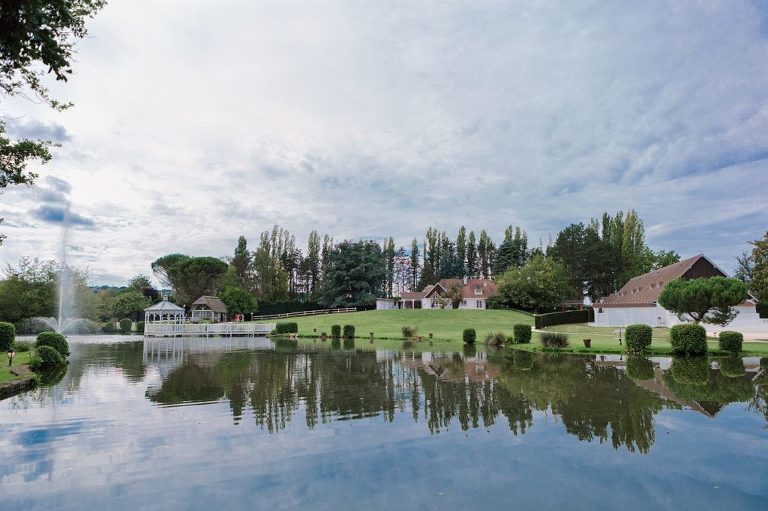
<point x="164" y="311"/>
<point x="209" y="308"/>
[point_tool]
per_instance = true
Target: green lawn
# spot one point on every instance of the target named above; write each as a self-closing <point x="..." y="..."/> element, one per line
<point x="21" y="357"/>
<point x="447" y="326"/>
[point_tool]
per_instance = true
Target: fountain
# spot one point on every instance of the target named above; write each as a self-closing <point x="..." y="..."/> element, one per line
<point x="65" y="293"/>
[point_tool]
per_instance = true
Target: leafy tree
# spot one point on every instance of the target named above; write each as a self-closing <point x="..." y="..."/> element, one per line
<point x="140" y="283"/>
<point x="664" y="258"/>
<point x="355" y="275"/>
<point x="28" y="290"/>
<point x="471" y="249"/>
<point x="753" y="269"/>
<point x="190" y="277"/>
<point x="414" y="279"/>
<point x="129" y="304"/>
<point x="455" y="294"/>
<point x="241" y="261"/>
<point x="541" y="283"/>
<point x="708" y="300"/>
<point x="238" y="300"/>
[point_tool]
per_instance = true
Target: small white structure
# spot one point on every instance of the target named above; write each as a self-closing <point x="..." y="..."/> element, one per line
<point x="637" y="301"/>
<point x="164" y="311"/>
<point x="383" y="304"/>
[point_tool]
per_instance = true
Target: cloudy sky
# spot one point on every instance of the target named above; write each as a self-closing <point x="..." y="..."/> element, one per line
<point x="196" y="122"/>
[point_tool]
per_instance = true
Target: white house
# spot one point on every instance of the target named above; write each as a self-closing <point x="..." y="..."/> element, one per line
<point x="636" y="302"/>
<point x="475" y="294"/>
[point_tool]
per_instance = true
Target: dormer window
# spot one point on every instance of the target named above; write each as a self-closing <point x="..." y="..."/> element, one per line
<point x="478" y="290"/>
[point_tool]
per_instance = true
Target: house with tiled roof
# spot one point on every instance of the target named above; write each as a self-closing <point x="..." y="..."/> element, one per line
<point x="475" y="294"/>
<point x="637" y="301"/>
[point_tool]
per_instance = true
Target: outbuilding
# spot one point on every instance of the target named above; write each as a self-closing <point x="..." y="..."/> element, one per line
<point x="209" y="308"/>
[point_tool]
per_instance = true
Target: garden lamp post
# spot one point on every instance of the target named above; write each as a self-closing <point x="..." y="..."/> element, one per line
<point x="10" y="354"/>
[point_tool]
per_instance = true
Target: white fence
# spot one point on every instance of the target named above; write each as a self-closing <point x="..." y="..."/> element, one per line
<point x="173" y="329"/>
<point x="305" y="313"/>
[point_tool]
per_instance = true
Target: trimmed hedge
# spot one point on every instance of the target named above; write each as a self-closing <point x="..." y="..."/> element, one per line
<point x="688" y="339"/>
<point x="554" y="340"/>
<point x="690" y="370"/>
<point x="408" y="331"/>
<point x="45" y="357"/>
<point x="55" y="340"/>
<point x="7" y="335"/>
<point x="469" y="335"/>
<point x="732" y="367"/>
<point x="638" y="337"/>
<point x="287" y="327"/>
<point x="730" y="341"/>
<point x="640" y="368"/>
<point x="139" y="327"/>
<point x="563" y="318"/>
<point x="335" y="331"/>
<point x="349" y="331"/>
<point x="125" y="325"/>
<point x="109" y="328"/>
<point x="522" y="333"/>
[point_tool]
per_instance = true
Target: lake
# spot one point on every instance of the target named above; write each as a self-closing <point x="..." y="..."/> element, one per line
<point x="257" y="424"/>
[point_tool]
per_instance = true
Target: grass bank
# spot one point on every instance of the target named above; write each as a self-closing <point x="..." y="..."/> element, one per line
<point x="22" y="357"/>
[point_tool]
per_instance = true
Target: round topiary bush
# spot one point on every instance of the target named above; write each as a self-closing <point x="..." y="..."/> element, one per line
<point x="688" y="339"/>
<point x="732" y="367"/>
<point x="109" y="328"/>
<point x="55" y="340"/>
<point x="638" y="338"/>
<point x="335" y="331"/>
<point x="349" y="331"/>
<point x="125" y="325"/>
<point x="640" y="368"/>
<point x="690" y="370"/>
<point x="730" y="341"/>
<point x="469" y="335"/>
<point x="7" y="335"/>
<point x="522" y="333"/>
<point x="45" y="357"/>
<point x="139" y="327"/>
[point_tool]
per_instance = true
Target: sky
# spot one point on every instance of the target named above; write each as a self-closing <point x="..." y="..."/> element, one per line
<point x="196" y="122"/>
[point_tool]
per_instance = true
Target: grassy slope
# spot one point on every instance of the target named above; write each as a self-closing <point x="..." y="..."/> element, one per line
<point x="447" y="326"/>
<point x="5" y="373"/>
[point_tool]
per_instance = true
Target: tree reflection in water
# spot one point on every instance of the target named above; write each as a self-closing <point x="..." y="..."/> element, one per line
<point x="594" y="399"/>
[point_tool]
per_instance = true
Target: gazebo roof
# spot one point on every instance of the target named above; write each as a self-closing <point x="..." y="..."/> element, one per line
<point x="164" y="306"/>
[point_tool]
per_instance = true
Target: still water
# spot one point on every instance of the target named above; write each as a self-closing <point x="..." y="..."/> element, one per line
<point x="253" y="424"/>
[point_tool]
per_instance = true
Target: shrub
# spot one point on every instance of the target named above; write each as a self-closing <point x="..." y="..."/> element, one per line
<point x="288" y="327"/>
<point x="335" y="331"/>
<point x="469" y="335"/>
<point x="7" y="335"/>
<point x="349" y="343"/>
<point x="562" y="318"/>
<point x="22" y="346"/>
<point x="732" y="367"/>
<point x="495" y="339"/>
<point x="640" y="368"/>
<point x="139" y="327"/>
<point x="55" y="340"/>
<point x="109" y="328"/>
<point x="730" y="341"/>
<point x="349" y="331"/>
<point x="470" y="350"/>
<point x="45" y="357"/>
<point x="510" y="339"/>
<point x="408" y="331"/>
<point x="522" y="360"/>
<point x="522" y="333"/>
<point x="690" y="370"/>
<point x="688" y="339"/>
<point x="638" y="338"/>
<point x="125" y="325"/>
<point x="554" y="340"/>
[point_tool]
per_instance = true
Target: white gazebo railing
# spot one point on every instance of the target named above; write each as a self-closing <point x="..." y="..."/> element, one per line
<point x="184" y="329"/>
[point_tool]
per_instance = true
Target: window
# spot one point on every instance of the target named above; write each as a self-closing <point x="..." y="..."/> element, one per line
<point x="600" y="310"/>
<point x="463" y="302"/>
<point x="479" y="304"/>
<point x="478" y="290"/>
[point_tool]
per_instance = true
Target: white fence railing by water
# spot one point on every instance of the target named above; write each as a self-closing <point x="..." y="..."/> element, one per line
<point x="174" y="329"/>
<point x="304" y="313"/>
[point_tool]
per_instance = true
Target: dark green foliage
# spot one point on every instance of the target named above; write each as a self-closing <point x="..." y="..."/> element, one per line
<point x="125" y="325"/>
<point x="7" y="335"/>
<point x="540" y="284"/>
<point x="732" y="367"/>
<point x="349" y="343"/>
<point x="139" y="327"/>
<point x="522" y="333"/>
<point x="238" y="300"/>
<point x="690" y="370"/>
<point x="563" y="318"/>
<point x="470" y="350"/>
<point x="109" y="327"/>
<point x="130" y="304"/>
<point x="511" y="339"/>
<point x="522" y="360"/>
<point x="640" y="367"/>
<point x="495" y="339"/>
<point x="554" y="340"/>
<point x="349" y="331"/>
<point x="469" y="335"/>
<point x="267" y="308"/>
<point x="190" y="277"/>
<point x="287" y="327"/>
<point x="730" y="341"/>
<point x="22" y="346"/>
<point x="762" y="309"/>
<point x="335" y="331"/>
<point x="55" y="340"/>
<point x="45" y="357"/>
<point x="354" y="276"/>
<point x="708" y="300"/>
<point x="688" y="339"/>
<point x="638" y="337"/>
<point x="408" y="331"/>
